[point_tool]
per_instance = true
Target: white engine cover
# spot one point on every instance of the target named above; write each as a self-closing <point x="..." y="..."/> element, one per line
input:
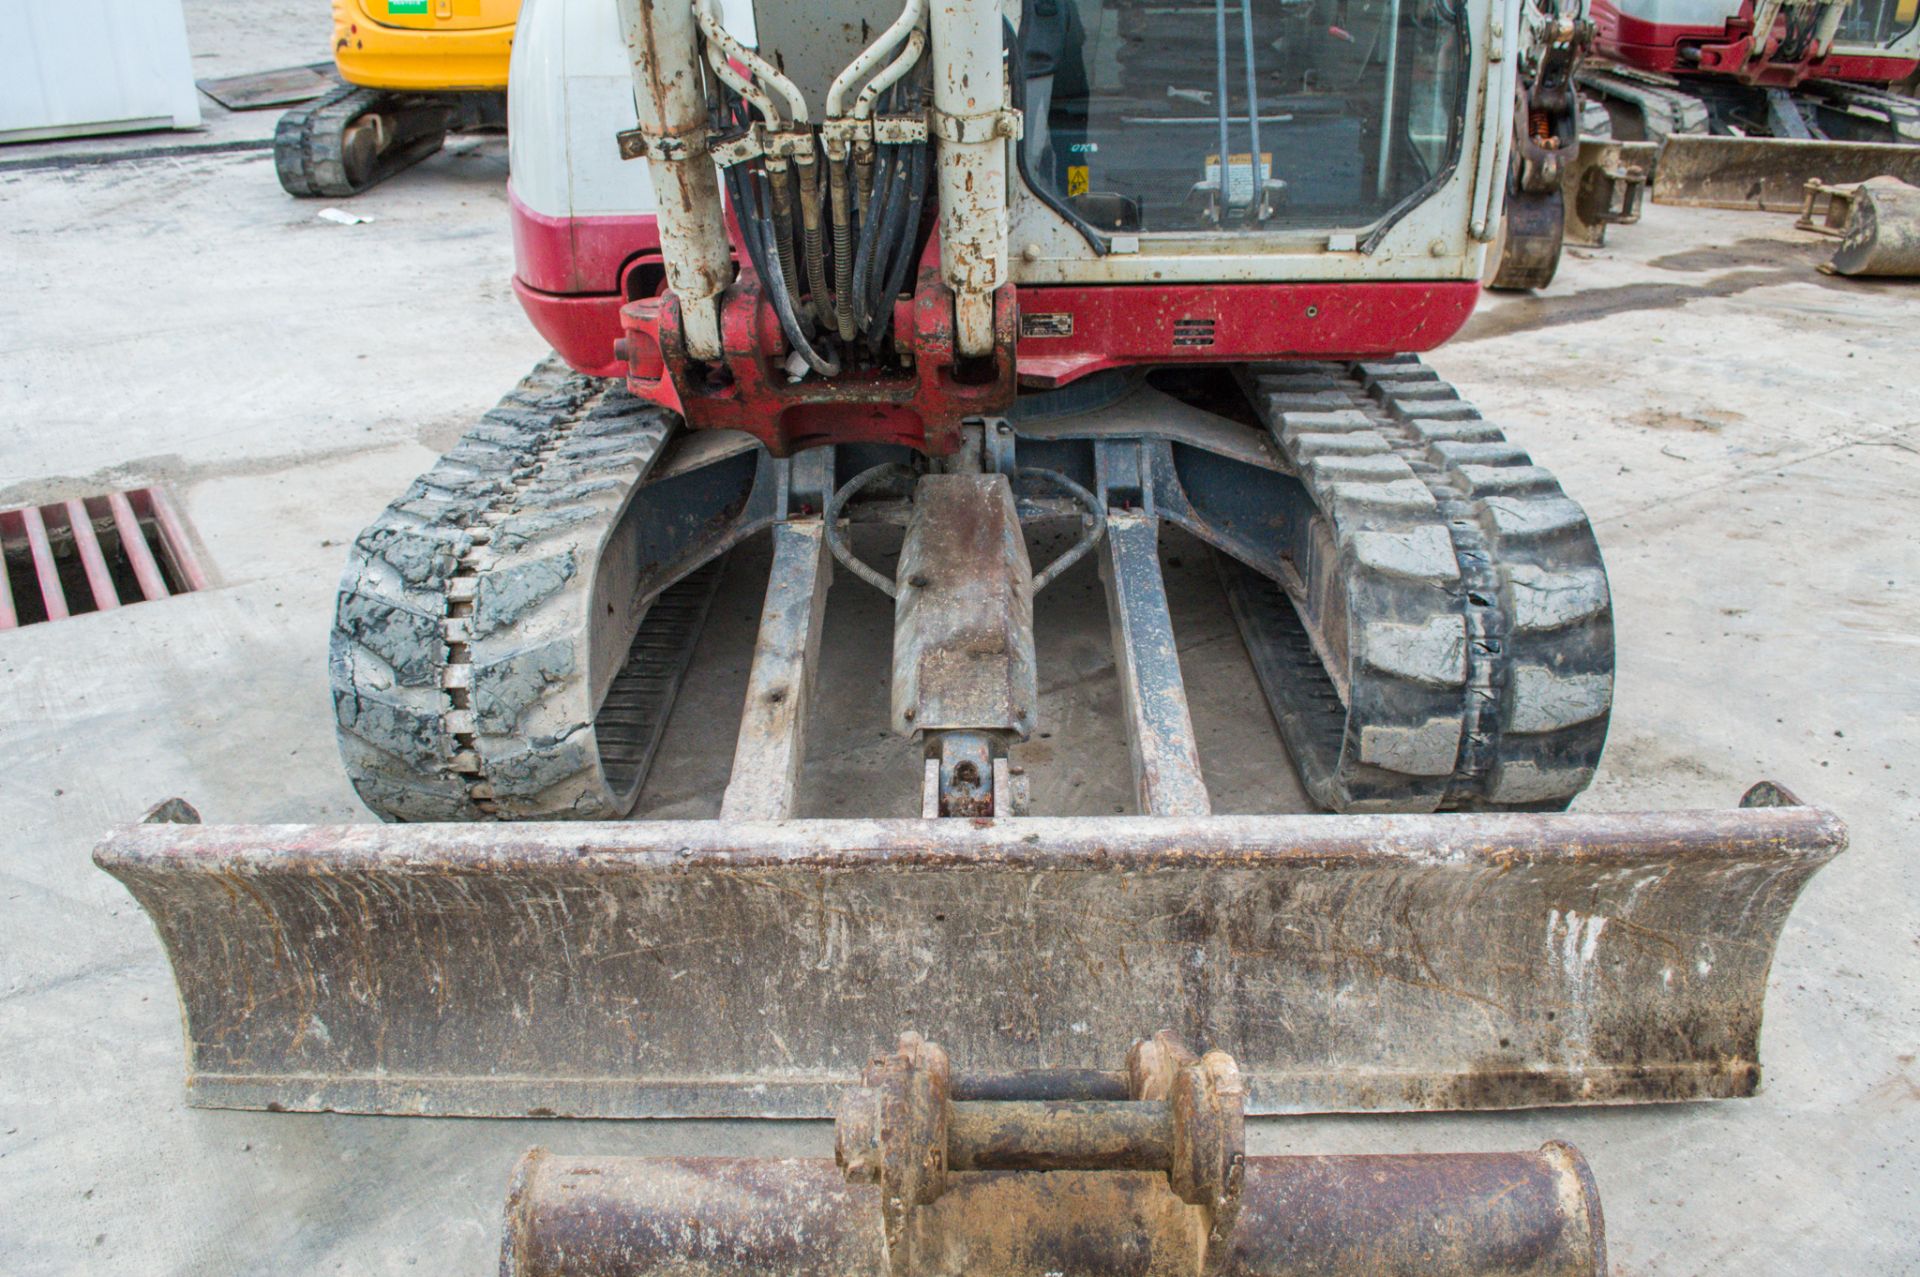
<point x="570" y="91"/>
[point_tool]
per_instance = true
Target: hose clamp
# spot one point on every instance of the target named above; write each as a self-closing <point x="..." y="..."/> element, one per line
<point x="969" y="130"/>
<point x="638" y="144"/>
<point x="738" y="148"/>
<point x="900" y="129"/>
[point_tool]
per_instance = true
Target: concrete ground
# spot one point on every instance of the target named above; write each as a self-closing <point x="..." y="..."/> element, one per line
<point x="1743" y="429"/>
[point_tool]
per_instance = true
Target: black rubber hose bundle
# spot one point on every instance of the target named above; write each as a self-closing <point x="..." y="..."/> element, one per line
<point x="752" y="201"/>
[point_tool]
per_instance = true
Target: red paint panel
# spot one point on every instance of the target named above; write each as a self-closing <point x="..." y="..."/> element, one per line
<point x="1868" y="70"/>
<point x="583" y="329"/>
<point x="920" y="408"/>
<point x="577" y="254"/>
<point x="1117" y="325"/>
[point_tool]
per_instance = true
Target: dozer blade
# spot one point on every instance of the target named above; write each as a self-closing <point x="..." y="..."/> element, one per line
<point x="1769" y="174"/>
<point x="1154" y="1182"/>
<point x="703" y="968"/>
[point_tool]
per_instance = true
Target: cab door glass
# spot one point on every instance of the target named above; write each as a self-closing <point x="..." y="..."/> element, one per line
<point x="1329" y="113"/>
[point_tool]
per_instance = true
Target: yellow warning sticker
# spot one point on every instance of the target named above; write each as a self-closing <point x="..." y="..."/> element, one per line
<point x="1076" y="179"/>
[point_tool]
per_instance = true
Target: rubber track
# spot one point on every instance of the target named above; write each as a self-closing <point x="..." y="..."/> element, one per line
<point x="308" y="141"/>
<point x="461" y="649"/>
<point x="1457" y="593"/>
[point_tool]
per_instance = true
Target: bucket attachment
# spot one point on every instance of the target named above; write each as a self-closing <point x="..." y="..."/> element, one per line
<point x="1769" y="174"/>
<point x="1879" y="226"/>
<point x="942" y="1175"/>
<point x="707" y="968"/>
<point x="1604" y="186"/>
<point x="1826" y="208"/>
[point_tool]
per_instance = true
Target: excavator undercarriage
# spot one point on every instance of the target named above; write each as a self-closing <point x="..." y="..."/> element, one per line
<point x="1424" y="608"/>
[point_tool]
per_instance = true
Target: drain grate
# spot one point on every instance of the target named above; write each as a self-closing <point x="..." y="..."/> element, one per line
<point x="90" y="554"/>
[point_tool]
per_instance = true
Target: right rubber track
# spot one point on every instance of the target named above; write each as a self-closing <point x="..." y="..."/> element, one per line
<point x="464" y="632"/>
<point x="1452" y="648"/>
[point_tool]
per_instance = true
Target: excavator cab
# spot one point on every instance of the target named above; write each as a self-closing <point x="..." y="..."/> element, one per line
<point x="1329" y="115"/>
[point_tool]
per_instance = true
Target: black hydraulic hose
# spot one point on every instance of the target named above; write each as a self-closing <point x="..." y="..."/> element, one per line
<point x="892" y="245"/>
<point x="826" y="365"/>
<point x="739" y="194"/>
<point x="781" y="181"/>
<point x="903" y="259"/>
<point x="750" y="197"/>
<point x="871" y="231"/>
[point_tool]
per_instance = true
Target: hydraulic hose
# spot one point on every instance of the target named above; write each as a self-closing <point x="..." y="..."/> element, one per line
<point x="842" y="199"/>
<point x="723" y="49"/>
<point x="873" y="229"/>
<point x="904" y="257"/>
<point x="826" y="365"/>
<point x="891" y="244"/>
<point x="813" y="239"/>
<point x="781" y="180"/>
<point x="754" y="230"/>
<point x="872" y="56"/>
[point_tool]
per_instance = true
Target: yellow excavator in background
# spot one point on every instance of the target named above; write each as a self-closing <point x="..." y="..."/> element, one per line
<point x="414" y="70"/>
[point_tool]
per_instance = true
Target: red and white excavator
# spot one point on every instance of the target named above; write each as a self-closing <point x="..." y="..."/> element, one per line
<point x="1722" y="103"/>
<point x="934" y="276"/>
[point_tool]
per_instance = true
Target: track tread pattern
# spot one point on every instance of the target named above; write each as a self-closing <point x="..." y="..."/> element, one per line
<point x="460" y="658"/>
<point x="1452" y="645"/>
<point x="309" y="141"/>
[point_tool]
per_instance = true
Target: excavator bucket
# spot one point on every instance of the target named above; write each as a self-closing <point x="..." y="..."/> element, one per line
<point x="941" y="1175"/>
<point x="707" y="968"/>
<point x="1880" y="233"/>
<point x="1769" y="174"/>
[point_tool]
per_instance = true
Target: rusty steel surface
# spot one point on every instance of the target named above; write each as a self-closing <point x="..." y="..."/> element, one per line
<point x="1167" y="777"/>
<point x="1604" y="186"/>
<point x="773" y="724"/>
<point x="963" y="654"/>
<point x="1770" y="174"/>
<point x="1882" y="231"/>
<point x="699" y="968"/>
<point x="1184" y="1117"/>
<point x="1454" y="1215"/>
<point x="1153" y="1184"/>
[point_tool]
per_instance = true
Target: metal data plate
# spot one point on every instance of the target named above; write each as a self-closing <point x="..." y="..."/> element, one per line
<point x="705" y="968"/>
